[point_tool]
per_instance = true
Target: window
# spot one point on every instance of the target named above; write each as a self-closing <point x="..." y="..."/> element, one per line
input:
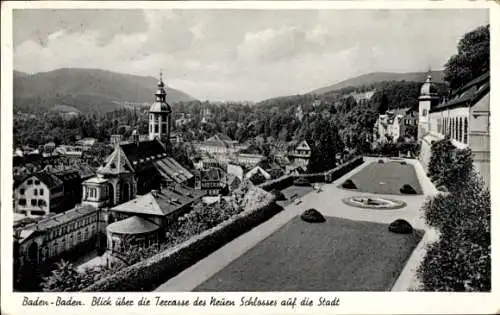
<point x="466" y="131"/>
<point x="41" y="202"/>
<point x="41" y="191"/>
<point x="452" y="128"/>
<point x="35" y="192"/>
<point x="424" y="112"/>
<point x="37" y="182"/>
<point x="456" y="129"/>
<point x="164" y="128"/>
<point x="33" y="202"/>
<point x="30" y="182"/>
<point x="150" y="128"/>
<point x="21" y="191"/>
<point x="156" y="128"/>
<point x="37" y="212"/>
<point x="22" y="202"/>
<point x="460" y="130"/>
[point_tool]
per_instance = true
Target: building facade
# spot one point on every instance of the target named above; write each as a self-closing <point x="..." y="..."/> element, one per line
<point x="394" y="124"/>
<point x="299" y="155"/>
<point x="464" y="118"/>
<point x="47" y="239"/>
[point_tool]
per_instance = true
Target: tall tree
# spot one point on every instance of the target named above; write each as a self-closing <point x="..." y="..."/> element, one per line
<point x="472" y="59"/>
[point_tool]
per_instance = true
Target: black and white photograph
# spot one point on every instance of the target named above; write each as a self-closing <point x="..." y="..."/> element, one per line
<point x="249" y="150"/>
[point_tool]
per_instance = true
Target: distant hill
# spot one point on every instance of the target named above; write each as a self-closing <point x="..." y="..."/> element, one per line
<point x="87" y="90"/>
<point x="374" y="77"/>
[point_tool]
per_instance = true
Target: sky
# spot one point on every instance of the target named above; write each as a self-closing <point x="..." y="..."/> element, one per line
<point x="241" y="54"/>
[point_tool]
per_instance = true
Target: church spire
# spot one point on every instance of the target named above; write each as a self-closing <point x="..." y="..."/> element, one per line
<point x="161" y="94"/>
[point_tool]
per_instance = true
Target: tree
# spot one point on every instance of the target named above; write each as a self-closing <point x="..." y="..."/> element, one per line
<point x="325" y="143"/>
<point x="257" y="178"/>
<point x="64" y="278"/>
<point x="472" y="58"/>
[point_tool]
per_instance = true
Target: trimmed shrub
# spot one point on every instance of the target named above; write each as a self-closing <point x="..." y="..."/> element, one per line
<point x="381" y="161"/>
<point x="312" y="216"/>
<point x="448" y="165"/>
<point x="349" y="184"/>
<point x="408" y="190"/>
<point x="461" y="259"/>
<point x="403" y="163"/>
<point x="400" y="226"/>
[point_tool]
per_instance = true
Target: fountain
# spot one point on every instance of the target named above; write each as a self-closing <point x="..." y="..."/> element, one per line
<point x="373" y="202"/>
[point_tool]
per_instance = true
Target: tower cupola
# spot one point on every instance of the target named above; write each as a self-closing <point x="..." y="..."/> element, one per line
<point x="159" y="115"/>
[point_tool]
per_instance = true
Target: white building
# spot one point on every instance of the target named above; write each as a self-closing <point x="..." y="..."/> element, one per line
<point x="465" y="118"/>
<point x="394" y="124"/>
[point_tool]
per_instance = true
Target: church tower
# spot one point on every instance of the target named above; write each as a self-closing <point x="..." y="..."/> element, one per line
<point x="427" y="100"/>
<point x="159" y="115"/>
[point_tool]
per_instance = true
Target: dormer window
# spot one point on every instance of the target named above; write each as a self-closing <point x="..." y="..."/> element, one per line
<point x="113" y="165"/>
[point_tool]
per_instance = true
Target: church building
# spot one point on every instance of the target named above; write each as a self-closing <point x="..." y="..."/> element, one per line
<point x="137" y="167"/>
<point x="465" y="118"/>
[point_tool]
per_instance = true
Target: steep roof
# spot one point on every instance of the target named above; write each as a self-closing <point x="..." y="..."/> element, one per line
<point x="219" y="136"/>
<point x="256" y="170"/>
<point x="468" y="95"/>
<point x="132" y="225"/>
<point x="116" y="163"/>
<point x="143" y="150"/>
<point x="47" y="178"/>
<point x="170" y="168"/>
<point x="399" y="111"/>
<point x="160" y="203"/>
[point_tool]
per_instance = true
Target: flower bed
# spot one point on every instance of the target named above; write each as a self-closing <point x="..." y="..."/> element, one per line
<point x="149" y="273"/>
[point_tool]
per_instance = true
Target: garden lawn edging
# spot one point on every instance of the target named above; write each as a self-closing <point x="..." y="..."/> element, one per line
<point x="150" y="273"/>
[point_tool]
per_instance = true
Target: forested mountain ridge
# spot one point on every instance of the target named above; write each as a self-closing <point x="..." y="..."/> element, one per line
<point x="376" y="77"/>
<point x="88" y="90"/>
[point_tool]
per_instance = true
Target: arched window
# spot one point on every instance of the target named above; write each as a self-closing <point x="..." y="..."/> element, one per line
<point x="466" y="131"/>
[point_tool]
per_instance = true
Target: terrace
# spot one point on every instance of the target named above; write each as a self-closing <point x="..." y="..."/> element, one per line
<point x="314" y="251"/>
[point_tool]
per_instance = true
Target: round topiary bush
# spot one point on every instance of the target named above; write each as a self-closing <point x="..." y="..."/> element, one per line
<point x="400" y="226"/>
<point x="312" y="216"/>
<point x="408" y="190"/>
<point x="403" y="163"/>
<point x="349" y="184"/>
<point x="381" y="161"/>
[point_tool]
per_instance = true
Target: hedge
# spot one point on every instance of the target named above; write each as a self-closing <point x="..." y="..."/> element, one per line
<point x="343" y="169"/>
<point x="328" y="176"/>
<point x="448" y="165"/>
<point x="152" y="272"/>
<point x="461" y="259"/>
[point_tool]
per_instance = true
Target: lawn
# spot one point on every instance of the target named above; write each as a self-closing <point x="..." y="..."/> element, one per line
<point x="294" y="192"/>
<point x="337" y="255"/>
<point x="386" y="178"/>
